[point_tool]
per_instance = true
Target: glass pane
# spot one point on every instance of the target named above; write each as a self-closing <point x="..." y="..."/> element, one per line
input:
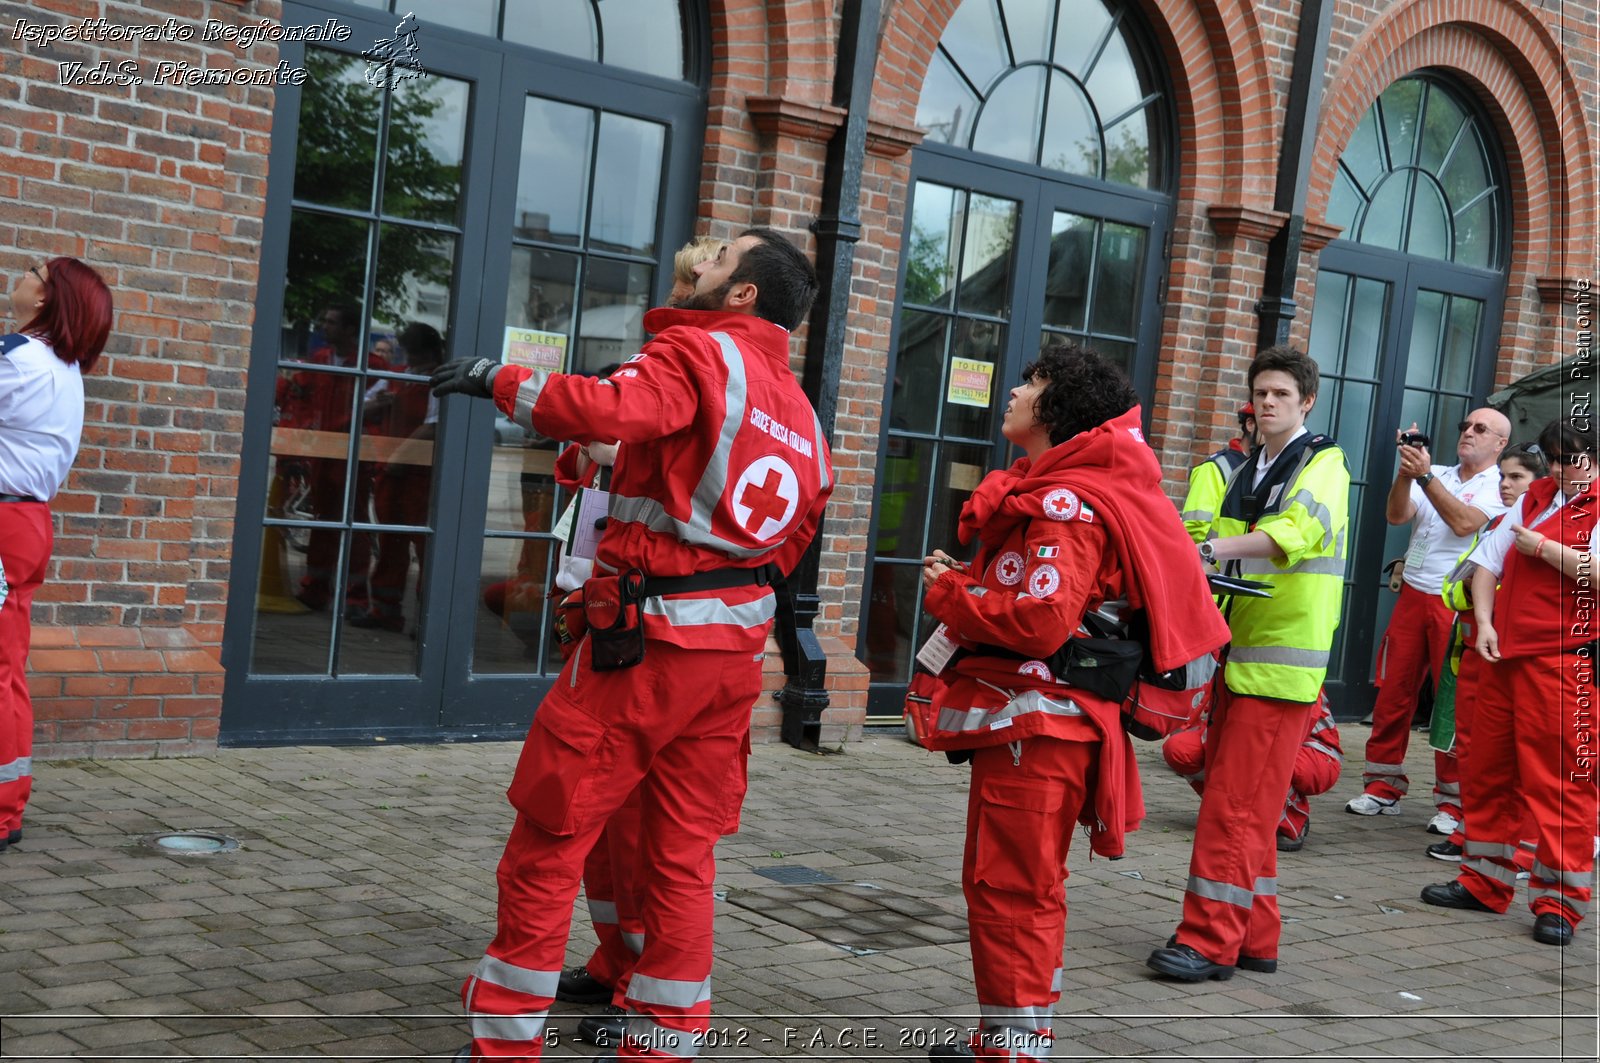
<point x="426" y="145"/>
<point x="1344" y="204"/>
<point x="542" y="288"/>
<point x="1079" y="26"/>
<point x="327" y="275"/>
<point x="337" y="150"/>
<point x="1418" y="407"/>
<point x="930" y="254"/>
<point x="553" y="176"/>
<point x="1440" y="126"/>
<point x="903" y="498"/>
<point x="1071" y="134"/>
<point x="399" y="422"/>
<point x="961" y="469"/>
<point x="1010" y="120"/>
<point x="511" y="605"/>
<point x="290" y="637"/>
<point x="1320" y="419"/>
<point x="986" y="256"/>
<point x="1385" y="220"/>
<point x="565" y="26"/>
<point x="1430" y="225"/>
<point x="1364" y="154"/>
<point x="522" y="484"/>
<point x="980" y="346"/>
<point x="1467" y="174"/>
<point x="1028" y="22"/>
<point x="918" y="372"/>
<point x="415" y="270"/>
<point x="382" y="639"/>
<point x="1427" y="329"/>
<point x="1460" y="343"/>
<point x="891" y="621"/>
<point x="1354" y="428"/>
<point x="1327" y="322"/>
<point x="615" y="297"/>
<point x="474" y="16"/>
<point x="1449" y="411"/>
<point x="1116" y="299"/>
<point x="1115" y="84"/>
<point x="1066" y="291"/>
<point x="1128" y="150"/>
<point x="1368" y="319"/>
<point x="627" y="184"/>
<point x="1476" y="232"/>
<point x="947" y="104"/>
<point x="1401" y="104"/>
<point x="644" y="35"/>
<point x="1118" y="351"/>
<point x="976" y="42"/>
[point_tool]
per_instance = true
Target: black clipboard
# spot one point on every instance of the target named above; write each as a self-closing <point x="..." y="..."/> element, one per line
<point x="1225" y="586"/>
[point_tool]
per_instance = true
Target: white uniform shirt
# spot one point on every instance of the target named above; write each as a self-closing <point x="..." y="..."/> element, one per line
<point x="1492" y="548"/>
<point x="1435" y="549"/>
<point x="41" y="417"/>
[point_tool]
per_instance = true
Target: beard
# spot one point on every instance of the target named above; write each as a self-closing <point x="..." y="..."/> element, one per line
<point x="711" y="300"/>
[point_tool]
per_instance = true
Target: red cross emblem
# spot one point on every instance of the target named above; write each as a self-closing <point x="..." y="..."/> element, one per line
<point x="764" y="502"/>
<point x="765" y="497"/>
<point x="1061" y="504"/>
<point x="1008" y="568"/>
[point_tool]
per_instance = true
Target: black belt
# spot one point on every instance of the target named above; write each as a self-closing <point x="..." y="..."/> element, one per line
<point x="715" y="580"/>
<point x="19" y="498"/>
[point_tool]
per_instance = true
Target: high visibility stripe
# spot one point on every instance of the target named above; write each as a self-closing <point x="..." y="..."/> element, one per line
<point x="1026" y="1018"/>
<point x="692" y="612"/>
<point x="1447" y="789"/>
<point x="21" y="768"/>
<point x="506" y="1027"/>
<point x="669" y="992"/>
<point x="1374" y="768"/>
<point x="527" y="394"/>
<point x="1225" y="892"/>
<point x="1490" y="869"/>
<point x="1567" y="900"/>
<point x="644" y="1034"/>
<point x="1311" y="566"/>
<point x="1286" y="655"/>
<point x="963" y="721"/>
<point x="714" y="481"/>
<point x="1577" y="880"/>
<point x="1266" y="887"/>
<point x="522" y="979"/>
<point x="648" y="511"/>
<point x="1055" y="983"/>
<point x="1319" y="513"/>
<point x="635" y="942"/>
<point x="1490" y="849"/>
<point x="824" y="475"/>
<point x="603" y="912"/>
<point x="1204" y="516"/>
<point x="1328" y="751"/>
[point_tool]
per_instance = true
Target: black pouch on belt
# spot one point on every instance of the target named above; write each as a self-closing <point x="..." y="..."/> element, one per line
<point x="612" y="606"/>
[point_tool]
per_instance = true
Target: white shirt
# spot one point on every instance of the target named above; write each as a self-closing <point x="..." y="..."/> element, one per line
<point x="41" y="417"/>
<point x="1492" y="548"/>
<point x="1435" y="549"/>
<point x="1263" y="463"/>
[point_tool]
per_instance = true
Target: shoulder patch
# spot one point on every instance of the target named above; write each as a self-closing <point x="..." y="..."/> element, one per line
<point x="1061" y="504"/>
<point x="11" y="342"/>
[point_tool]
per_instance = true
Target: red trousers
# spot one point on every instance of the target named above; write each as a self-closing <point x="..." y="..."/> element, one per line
<point x="1231" y="902"/>
<point x="1315" y="772"/>
<point x="612" y="884"/>
<point x="25" y="540"/>
<point x="596" y="738"/>
<point x="1472" y="668"/>
<point x="1021" y="812"/>
<point x="1533" y="741"/>
<point x="1414" y="647"/>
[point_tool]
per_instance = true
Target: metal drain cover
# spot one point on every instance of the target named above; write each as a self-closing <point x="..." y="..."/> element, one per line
<point x="191" y="843"/>
<point x="855" y="916"/>
<point x="795" y="874"/>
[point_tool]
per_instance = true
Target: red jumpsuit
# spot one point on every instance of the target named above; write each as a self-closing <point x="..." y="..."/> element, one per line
<point x="723" y="465"/>
<point x="1048" y="755"/>
<point x="1533" y="727"/>
<point x="1316" y="765"/>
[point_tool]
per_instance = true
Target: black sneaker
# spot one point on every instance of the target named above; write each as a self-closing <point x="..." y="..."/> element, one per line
<point x="604" y="1030"/>
<point x="952" y="1052"/>
<point x="1448" y="851"/>
<point x="577" y="986"/>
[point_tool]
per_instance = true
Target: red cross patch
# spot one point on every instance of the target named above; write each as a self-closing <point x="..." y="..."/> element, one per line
<point x="1061" y="504"/>
<point x="1044" y="581"/>
<point x="1008" y="568"/>
<point x="1036" y="668"/>
<point x="765" y="496"/>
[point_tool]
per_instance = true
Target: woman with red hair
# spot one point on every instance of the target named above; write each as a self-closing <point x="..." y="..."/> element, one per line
<point x="63" y="309"/>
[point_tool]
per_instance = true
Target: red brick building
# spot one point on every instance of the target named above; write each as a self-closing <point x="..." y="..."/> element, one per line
<point x="272" y="535"/>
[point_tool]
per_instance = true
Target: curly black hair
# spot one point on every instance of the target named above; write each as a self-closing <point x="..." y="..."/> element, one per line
<point x="1529" y="456"/>
<point x="1083" y="390"/>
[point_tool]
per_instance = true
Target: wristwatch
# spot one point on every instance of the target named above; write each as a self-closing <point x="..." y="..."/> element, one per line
<point x="1424" y="480"/>
<point x="1208" y="552"/>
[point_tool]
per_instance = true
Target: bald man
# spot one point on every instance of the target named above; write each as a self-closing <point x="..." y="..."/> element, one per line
<point x="1445" y="506"/>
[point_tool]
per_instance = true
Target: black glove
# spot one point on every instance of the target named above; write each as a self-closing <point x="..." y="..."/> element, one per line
<point x="468" y="376"/>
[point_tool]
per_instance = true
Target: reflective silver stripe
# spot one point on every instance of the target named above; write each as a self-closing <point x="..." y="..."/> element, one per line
<point x="1266" y="887"/>
<point x="693" y="612"/>
<point x="1318" y="512"/>
<point x="1578" y="880"/>
<point x="1327" y="751"/>
<point x="635" y="942"/>
<point x="1311" y="566"/>
<point x="506" y="1027"/>
<point x="682" y="1044"/>
<point x="648" y="511"/>
<point x="1201" y="515"/>
<point x="603" y="912"/>
<point x="1220" y="891"/>
<point x="1055" y="985"/>
<point x="670" y="992"/>
<point x="1447" y="789"/>
<point x="963" y="721"/>
<point x="1286" y="655"/>
<point x="1489" y="869"/>
<point x="21" y="768"/>
<point x="528" y="394"/>
<point x="1490" y="849"/>
<point x="1374" y="768"/>
<point x="714" y="481"/>
<point x="1567" y="900"/>
<point x="522" y="979"/>
<point x="1025" y="1018"/>
<point x="824" y="476"/>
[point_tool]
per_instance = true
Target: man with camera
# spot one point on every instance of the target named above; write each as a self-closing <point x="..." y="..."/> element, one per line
<point x="1445" y="505"/>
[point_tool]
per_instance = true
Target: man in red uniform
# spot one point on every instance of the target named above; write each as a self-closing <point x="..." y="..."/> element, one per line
<point x="720" y="482"/>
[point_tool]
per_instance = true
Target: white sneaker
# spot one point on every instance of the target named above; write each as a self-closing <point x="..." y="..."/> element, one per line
<point x="1443" y="823"/>
<point x="1373" y="805"/>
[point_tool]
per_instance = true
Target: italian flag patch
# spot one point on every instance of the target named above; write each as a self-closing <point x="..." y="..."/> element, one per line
<point x="1048" y="551"/>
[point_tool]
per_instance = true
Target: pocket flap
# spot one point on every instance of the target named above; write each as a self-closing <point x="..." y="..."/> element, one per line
<point x="1038" y="796"/>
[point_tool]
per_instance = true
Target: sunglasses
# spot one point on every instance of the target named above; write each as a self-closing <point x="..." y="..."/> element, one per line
<point x="1477" y="426"/>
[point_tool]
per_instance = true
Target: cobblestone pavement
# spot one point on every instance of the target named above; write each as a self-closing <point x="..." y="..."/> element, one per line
<point x="363" y="892"/>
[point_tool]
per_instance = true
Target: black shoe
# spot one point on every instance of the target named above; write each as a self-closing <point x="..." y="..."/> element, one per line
<point x="952" y="1052"/>
<point x="376" y="620"/>
<point x="10" y="839"/>
<point x="604" y="1030"/>
<point x="577" y="986"/>
<point x="1452" y="894"/>
<point x="1449" y="851"/>
<point x="1257" y="964"/>
<point x="1183" y="962"/>
<point x="1551" y="929"/>
<point x="465" y="1055"/>
<point x="1287" y="844"/>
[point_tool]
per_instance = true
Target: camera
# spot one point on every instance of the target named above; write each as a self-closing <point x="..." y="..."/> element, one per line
<point x="1415" y="439"/>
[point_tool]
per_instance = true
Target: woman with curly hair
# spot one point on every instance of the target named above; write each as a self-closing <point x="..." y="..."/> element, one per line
<point x="64" y="310"/>
<point x="1077" y="525"/>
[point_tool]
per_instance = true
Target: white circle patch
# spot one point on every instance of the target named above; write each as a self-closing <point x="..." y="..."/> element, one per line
<point x="1061" y="504"/>
<point x="1036" y="668"/>
<point x="1044" y="581"/>
<point x="1008" y="568"/>
<point x="765" y="496"/>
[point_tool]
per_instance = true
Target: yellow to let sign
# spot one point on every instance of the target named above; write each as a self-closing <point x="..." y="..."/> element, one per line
<point x="970" y="382"/>
<point x="534" y="349"/>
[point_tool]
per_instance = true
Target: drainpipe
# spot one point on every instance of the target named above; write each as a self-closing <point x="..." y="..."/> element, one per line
<point x="837" y="228"/>
<point x="1303" y="110"/>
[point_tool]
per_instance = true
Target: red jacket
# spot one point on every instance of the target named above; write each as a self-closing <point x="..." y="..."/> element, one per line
<point x="723" y="463"/>
<point x="1538" y="610"/>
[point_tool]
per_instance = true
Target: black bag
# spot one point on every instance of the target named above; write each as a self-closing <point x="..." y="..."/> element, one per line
<point x="611" y="605"/>
<point x="1104" y="666"/>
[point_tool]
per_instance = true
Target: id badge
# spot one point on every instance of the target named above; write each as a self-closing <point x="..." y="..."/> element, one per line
<point x="937" y="651"/>
<point x="1418" y="551"/>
